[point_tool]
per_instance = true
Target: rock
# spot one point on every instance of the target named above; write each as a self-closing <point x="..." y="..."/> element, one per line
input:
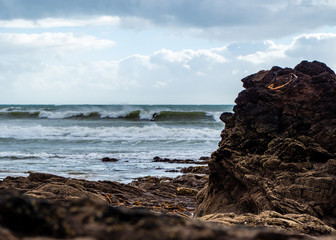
<point x="62" y="190"/>
<point x="167" y="193"/>
<point x="186" y="191"/>
<point x="313" y="68"/>
<point x="227" y="118"/>
<point x="196" y="170"/>
<point x="303" y="223"/>
<point x="89" y="220"/>
<point x="107" y="159"/>
<point x="156" y="194"/>
<point x="187" y="161"/>
<point x="172" y="170"/>
<point x="277" y="151"/>
<point x="6" y="234"/>
<point x="26" y="216"/>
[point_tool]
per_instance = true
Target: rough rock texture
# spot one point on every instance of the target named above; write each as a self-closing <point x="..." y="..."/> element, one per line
<point x="196" y="170"/>
<point x="303" y="223"/>
<point x="278" y="147"/>
<point x="157" y="194"/>
<point x="85" y="219"/>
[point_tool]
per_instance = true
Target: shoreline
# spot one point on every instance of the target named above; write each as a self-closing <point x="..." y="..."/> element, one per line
<point x="159" y="194"/>
<point x="147" y="208"/>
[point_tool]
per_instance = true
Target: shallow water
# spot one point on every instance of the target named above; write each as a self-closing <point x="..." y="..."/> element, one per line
<point x="71" y="140"/>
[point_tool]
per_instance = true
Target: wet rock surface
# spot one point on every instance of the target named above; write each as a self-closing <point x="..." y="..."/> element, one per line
<point x="277" y="151"/>
<point x="107" y="159"/>
<point x="203" y="160"/>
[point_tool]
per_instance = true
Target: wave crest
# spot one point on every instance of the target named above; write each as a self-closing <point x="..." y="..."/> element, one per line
<point x="138" y="114"/>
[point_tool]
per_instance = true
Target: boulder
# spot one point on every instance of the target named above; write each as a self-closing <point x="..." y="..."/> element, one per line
<point x="107" y="159"/>
<point x="277" y="151"/>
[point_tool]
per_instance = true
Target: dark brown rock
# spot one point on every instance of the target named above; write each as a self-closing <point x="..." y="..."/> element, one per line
<point x="186" y="161"/>
<point x="61" y="190"/>
<point x="196" y="170"/>
<point x="303" y="223"/>
<point x="227" y="118"/>
<point x="167" y="191"/>
<point x="156" y="194"/>
<point x="5" y="234"/>
<point x="87" y="219"/>
<point x="278" y="148"/>
<point x="107" y="159"/>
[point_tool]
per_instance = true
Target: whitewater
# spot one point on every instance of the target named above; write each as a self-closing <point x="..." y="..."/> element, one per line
<point x="71" y="140"/>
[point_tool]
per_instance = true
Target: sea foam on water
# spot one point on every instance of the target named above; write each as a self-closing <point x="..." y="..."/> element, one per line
<point x="72" y="139"/>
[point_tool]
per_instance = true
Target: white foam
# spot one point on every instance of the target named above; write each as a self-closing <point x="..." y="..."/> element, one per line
<point x="23" y="155"/>
<point x="12" y="109"/>
<point x="62" y="115"/>
<point x="215" y="115"/>
<point x="146" y="115"/>
<point x="152" y="132"/>
<point x="117" y="114"/>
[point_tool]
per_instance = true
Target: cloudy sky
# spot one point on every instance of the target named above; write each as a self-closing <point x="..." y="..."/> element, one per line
<point x="153" y="51"/>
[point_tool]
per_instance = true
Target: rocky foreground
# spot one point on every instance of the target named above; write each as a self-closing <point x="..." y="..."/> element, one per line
<point x="272" y="177"/>
<point x="44" y="207"/>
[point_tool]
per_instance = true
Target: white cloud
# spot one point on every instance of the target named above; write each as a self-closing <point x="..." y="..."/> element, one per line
<point x="165" y="76"/>
<point x="20" y="43"/>
<point x="137" y="78"/>
<point x="59" y="22"/>
<point x="318" y="46"/>
<point x="215" y="55"/>
<point x="272" y="53"/>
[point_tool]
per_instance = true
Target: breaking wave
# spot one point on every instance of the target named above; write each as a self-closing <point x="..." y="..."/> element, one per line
<point x="138" y="114"/>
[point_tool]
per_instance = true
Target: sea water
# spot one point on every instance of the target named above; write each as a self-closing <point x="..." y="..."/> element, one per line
<point x="71" y="140"/>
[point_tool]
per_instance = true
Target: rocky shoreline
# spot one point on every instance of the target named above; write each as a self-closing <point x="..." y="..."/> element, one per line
<point x="43" y="205"/>
<point x="272" y="177"/>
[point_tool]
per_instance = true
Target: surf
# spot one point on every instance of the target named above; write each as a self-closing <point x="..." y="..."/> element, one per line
<point x="133" y="113"/>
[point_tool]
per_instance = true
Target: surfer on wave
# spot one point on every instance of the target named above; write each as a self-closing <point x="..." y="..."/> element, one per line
<point x="154" y="117"/>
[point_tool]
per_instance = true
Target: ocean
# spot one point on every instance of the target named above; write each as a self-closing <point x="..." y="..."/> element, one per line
<point x="71" y="140"/>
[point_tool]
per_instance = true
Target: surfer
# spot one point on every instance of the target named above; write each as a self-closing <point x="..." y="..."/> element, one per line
<point x="155" y="115"/>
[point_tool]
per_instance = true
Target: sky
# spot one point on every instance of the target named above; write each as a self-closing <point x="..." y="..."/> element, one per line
<point x="154" y="51"/>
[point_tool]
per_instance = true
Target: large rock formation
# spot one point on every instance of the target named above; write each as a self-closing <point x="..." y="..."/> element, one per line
<point x="278" y="147"/>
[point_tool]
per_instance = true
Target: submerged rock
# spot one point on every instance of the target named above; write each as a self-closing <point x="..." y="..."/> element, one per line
<point x="187" y="161"/>
<point x="277" y="151"/>
<point x="107" y="159"/>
